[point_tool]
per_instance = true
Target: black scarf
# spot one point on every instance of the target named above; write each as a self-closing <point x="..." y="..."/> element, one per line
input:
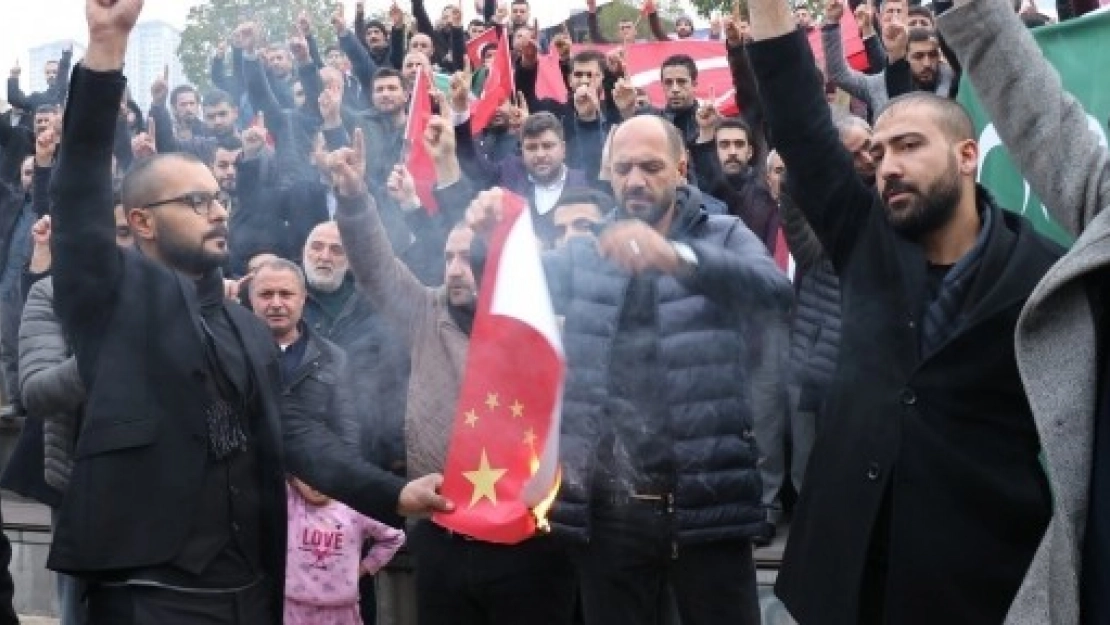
<point x="463" y="317"/>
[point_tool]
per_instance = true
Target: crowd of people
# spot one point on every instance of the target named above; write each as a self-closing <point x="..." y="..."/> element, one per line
<point x="235" y="326"/>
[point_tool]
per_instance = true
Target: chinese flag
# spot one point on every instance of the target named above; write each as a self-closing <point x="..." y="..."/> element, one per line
<point x="476" y="47"/>
<point x="502" y="460"/>
<point x="497" y="88"/>
<point x="417" y="159"/>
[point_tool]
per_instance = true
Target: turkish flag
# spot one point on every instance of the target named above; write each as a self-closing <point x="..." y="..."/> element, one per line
<point x="849" y="39"/>
<point x="417" y="160"/>
<point x="502" y="460"/>
<point x="476" y="47"/>
<point x="497" y="88"/>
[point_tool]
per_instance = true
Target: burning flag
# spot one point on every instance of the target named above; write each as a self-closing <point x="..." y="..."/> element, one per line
<point x="502" y="460"/>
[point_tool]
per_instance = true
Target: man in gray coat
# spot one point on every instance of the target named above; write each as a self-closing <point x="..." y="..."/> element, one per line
<point x="1049" y="136"/>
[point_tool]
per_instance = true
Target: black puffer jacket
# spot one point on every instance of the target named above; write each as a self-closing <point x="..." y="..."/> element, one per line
<point x="702" y="323"/>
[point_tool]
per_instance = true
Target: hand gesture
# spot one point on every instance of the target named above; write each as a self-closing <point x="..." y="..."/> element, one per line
<point x="16" y="70"/>
<point x="614" y="61"/>
<point x="143" y="146"/>
<point x="421" y="497"/>
<point x="339" y="20"/>
<point x="834" y="11"/>
<point x="865" y="17"/>
<point x="304" y="25"/>
<point x="220" y="50"/>
<point x="485" y="211"/>
<point x="624" y="96"/>
<point x="360" y="7"/>
<point x="715" y="26"/>
<point x="460" y="88"/>
<point x="396" y="16"/>
<point x="298" y="46"/>
<point x="733" y="37"/>
<point x="40" y="232"/>
<point x="45" y="146"/>
<point x="110" y="23"/>
<point x="331" y="107"/>
<point x="591" y="6"/>
<point x="245" y="36"/>
<point x="529" y="53"/>
<point x="160" y="88"/>
<point x="649" y="7"/>
<point x="561" y="42"/>
<point x="254" y="139"/>
<point x="586" y="102"/>
<point x="402" y="188"/>
<point x="636" y="247"/>
<point x="896" y="39"/>
<point x="348" y="171"/>
<point x="708" y="118"/>
<point x="501" y="15"/>
<point x="439" y="139"/>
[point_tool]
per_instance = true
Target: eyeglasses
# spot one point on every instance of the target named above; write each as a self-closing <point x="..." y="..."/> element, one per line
<point x="199" y="201"/>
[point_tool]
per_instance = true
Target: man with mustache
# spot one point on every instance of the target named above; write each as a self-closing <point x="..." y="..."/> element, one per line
<point x="184" y="429"/>
<point x="929" y="432"/>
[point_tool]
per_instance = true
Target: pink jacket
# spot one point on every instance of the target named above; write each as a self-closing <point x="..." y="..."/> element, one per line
<point x="325" y="548"/>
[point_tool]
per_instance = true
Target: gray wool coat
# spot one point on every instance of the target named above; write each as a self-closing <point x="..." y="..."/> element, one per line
<point x="49" y="381"/>
<point x="1046" y="131"/>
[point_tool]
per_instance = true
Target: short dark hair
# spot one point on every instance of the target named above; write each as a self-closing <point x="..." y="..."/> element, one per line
<point x="380" y="25"/>
<point x="216" y="97"/>
<point x="735" y="123"/>
<point x="949" y="114"/>
<point x="588" y="55"/>
<point x="229" y="142"/>
<point x="43" y="109"/>
<point x="587" y="195"/>
<point x="388" y="72"/>
<point x="476" y="22"/>
<point x="524" y="2"/>
<point x="921" y="11"/>
<point x="178" y="90"/>
<point x="917" y="35"/>
<point x="141" y="185"/>
<point x="681" y="60"/>
<point x="538" y="123"/>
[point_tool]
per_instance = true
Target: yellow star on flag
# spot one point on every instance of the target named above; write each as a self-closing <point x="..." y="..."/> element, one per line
<point x="471" y="418"/>
<point x="530" y="437"/>
<point x="484" y="481"/>
<point x="518" y="409"/>
<point x="491" y="401"/>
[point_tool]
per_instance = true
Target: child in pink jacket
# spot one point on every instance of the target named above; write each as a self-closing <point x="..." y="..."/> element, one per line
<point x="323" y="562"/>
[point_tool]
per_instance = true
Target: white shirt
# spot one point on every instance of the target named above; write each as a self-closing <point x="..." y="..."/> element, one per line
<point x="545" y="196"/>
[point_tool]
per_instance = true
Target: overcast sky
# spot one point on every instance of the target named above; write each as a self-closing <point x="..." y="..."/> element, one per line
<point x="42" y="21"/>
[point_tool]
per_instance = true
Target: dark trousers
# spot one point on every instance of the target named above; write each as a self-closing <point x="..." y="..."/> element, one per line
<point x="469" y="582"/>
<point x="142" y="605"/>
<point x="632" y="559"/>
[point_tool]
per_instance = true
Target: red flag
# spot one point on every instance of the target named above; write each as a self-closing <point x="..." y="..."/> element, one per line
<point x="476" y="47"/>
<point x="502" y="460"/>
<point x="417" y="159"/>
<point x="849" y="39"/>
<point x="497" y="88"/>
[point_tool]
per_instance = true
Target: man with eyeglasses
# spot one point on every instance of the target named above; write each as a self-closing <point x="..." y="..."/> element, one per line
<point x="176" y="506"/>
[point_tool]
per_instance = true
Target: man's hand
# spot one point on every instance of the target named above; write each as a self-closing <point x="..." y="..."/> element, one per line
<point x="45" y="146"/>
<point x="331" y="107"/>
<point x="254" y="140"/>
<point x="707" y="118"/>
<point x="304" y="25"/>
<point x="402" y="188"/>
<point x="439" y="139"/>
<point x="834" y="11"/>
<point x="348" y="168"/>
<point x="41" y="257"/>
<point x="865" y="17"/>
<point x="110" y="23"/>
<point x="16" y="70"/>
<point x="586" y="103"/>
<point x="143" y="145"/>
<point x="896" y="39"/>
<point x="298" y="46"/>
<point x="420" y="497"/>
<point x="339" y="20"/>
<point x="396" y="16"/>
<point x="733" y="37"/>
<point x="715" y="26"/>
<point x="591" y="6"/>
<point x="246" y="37"/>
<point x="460" y="88"/>
<point x="501" y="15"/>
<point x="529" y="53"/>
<point x="160" y="88"/>
<point x="485" y="211"/>
<point x="624" y="96"/>
<point x="614" y="61"/>
<point x="561" y="42"/>
<point x="40" y="232"/>
<point x="636" y="247"/>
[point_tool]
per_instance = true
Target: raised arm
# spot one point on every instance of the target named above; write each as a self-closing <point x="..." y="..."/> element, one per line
<point x="1043" y="127"/>
<point x="857" y="84"/>
<point x="834" y="200"/>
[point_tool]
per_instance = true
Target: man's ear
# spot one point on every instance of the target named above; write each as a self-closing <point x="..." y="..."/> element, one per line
<point x="968" y="156"/>
<point x="142" y="223"/>
<point x="683" y="166"/>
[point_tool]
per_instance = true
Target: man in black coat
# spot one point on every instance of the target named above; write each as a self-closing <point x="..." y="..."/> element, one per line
<point x="924" y="499"/>
<point x="176" y="506"/>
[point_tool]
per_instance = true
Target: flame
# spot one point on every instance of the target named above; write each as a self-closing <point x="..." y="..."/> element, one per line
<point x="540" y="510"/>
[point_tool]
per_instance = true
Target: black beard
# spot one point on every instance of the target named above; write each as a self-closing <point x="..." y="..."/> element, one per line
<point x="928" y="211"/>
<point x="192" y="260"/>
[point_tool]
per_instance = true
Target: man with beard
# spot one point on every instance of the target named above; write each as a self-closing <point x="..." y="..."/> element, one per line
<point x="660" y="490"/>
<point x="919" y="47"/>
<point x="723" y="163"/>
<point x="679" y="75"/>
<point x="855" y="136"/>
<point x="225" y="163"/>
<point x="458" y="580"/>
<point x="186" y="112"/>
<point x="182" y="430"/>
<point x="220" y="119"/>
<point x="929" y="432"/>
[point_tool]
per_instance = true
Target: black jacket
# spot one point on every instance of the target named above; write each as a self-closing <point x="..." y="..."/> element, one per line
<point x="702" y="322"/>
<point x="929" y="461"/>
<point x="142" y="449"/>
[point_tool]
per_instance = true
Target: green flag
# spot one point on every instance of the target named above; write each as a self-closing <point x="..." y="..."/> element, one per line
<point x="1079" y="49"/>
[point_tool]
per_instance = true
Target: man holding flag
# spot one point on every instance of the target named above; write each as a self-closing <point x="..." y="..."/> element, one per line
<point x="460" y="580"/>
<point x="658" y="452"/>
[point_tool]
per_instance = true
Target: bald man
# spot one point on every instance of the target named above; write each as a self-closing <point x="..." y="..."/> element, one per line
<point x="660" y="486"/>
